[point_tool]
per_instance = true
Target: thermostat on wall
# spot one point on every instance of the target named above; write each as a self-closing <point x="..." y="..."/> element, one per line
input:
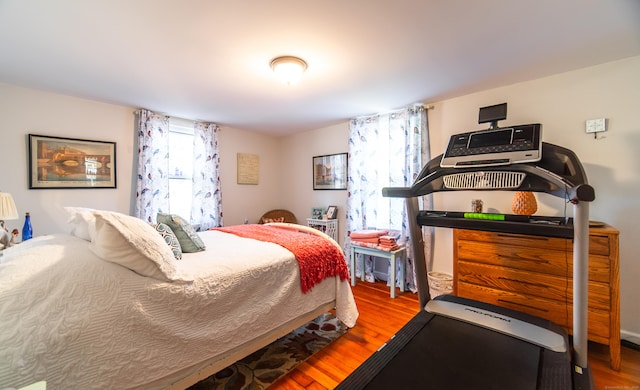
<point x="596" y="125"/>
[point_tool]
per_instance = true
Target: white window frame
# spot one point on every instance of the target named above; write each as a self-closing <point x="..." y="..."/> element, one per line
<point x="182" y="127"/>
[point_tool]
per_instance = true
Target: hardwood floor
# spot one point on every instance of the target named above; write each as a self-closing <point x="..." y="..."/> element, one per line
<point x="381" y="317"/>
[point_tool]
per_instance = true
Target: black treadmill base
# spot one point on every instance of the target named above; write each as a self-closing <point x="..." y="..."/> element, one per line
<point x="438" y="352"/>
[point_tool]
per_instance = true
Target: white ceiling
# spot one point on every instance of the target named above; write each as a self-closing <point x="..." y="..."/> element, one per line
<point x="209" y="59"/>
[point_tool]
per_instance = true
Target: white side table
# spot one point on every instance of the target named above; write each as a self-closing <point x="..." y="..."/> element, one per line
<point x="393" y="256"/>
<point x="327" y="226"/>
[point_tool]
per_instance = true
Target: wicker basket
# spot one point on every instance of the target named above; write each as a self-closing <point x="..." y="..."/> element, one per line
<point x="439" y="283"/>
<point x="278" y="215"/>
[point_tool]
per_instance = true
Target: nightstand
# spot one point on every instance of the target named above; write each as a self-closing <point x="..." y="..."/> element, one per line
<point x="327" y="226"/>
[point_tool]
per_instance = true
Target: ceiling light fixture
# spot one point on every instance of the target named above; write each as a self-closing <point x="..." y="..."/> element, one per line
<point x="289" y="69"/>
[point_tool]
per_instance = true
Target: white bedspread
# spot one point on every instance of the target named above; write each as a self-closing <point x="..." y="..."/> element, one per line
<point x="79" y="322"/>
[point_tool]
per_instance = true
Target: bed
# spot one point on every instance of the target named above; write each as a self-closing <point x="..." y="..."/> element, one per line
<point x="74" y="320"/>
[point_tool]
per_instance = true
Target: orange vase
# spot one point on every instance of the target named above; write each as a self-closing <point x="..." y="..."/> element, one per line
<point x="524" y="203"/>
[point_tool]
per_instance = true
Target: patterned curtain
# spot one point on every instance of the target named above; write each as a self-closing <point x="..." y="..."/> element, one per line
<point x="206" y="204"/>
<point x="152" y="186"/>
<point x="386" y="150"/>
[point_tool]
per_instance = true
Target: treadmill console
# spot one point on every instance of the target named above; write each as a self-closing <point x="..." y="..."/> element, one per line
<point x="501" y="146"/>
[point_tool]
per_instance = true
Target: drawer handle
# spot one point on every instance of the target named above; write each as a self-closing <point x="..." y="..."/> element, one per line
<point x="532" y="238"/>
<point x="523" y="282"/>
<point x="523" y="259"/>
<point x="522" y="305"/>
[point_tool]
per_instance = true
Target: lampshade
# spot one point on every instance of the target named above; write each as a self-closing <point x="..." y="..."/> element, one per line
<point x="8" y="208"/>
<point x="288" y="69"/>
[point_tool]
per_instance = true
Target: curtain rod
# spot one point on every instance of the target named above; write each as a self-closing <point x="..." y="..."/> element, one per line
<point x="137" y="112"/>
<point x="417" y="105"/>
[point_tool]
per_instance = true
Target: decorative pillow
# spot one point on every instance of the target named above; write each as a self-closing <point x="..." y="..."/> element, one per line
<point x="269" y="220"/>
<point x="82" y="221"/>
<point x="134" y="244"/>
<point x="170" y="238"/>
<point x="189" y="239"/>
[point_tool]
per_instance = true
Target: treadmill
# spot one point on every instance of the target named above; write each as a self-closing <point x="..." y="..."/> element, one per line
<point x="458" y="343"/>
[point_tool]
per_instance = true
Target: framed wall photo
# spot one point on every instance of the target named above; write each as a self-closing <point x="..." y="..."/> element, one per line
<point x="330" y="172"/>
<point x="56" y="162"/>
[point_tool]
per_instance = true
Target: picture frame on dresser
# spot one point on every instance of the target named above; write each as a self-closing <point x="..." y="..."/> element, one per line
<point x="318" y="212"/>
<point x="56" y="162"/>
<point x="332" y="212"/>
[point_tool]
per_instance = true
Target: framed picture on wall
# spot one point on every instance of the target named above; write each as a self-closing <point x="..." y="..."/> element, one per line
<point x="56" y="162"/>
<point x="330" y="172"/>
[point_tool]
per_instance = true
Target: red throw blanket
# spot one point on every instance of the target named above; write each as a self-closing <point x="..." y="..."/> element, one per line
<point x="318" y="259"/>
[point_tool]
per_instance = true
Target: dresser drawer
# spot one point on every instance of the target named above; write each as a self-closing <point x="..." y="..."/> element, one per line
<point x="598" y="243"/>
<point x="534" y="274"/>
<point x="541" y="260"/>
<point x="505" y="255"/>
<point x="549" y="309"/>
<point x="531" y="283"/>
<point x="560" y="244"/>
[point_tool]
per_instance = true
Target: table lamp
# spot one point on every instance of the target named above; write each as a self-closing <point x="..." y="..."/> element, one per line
<point x="8" y="210"/>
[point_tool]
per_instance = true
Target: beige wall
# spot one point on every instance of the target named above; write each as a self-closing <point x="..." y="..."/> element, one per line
<point x="24" y="111"/>
<point x="297" y="186"/>
<point x="284" y="163"/>
<point x="561" y="103"/>
<point x="248" y="201"/>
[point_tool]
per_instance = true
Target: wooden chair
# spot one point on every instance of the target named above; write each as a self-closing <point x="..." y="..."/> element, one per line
<point x="278" y="215"/>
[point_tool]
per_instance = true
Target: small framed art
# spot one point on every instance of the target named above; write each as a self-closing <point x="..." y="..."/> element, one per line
<point x="56" y="162"/>
<point x="248" y="168"/>
<point x="330" y="172"/>
<point x="318" y="212"/>
<point x="332" y="212"/>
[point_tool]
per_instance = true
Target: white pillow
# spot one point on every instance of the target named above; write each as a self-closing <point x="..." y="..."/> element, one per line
<point x="82" y="221"/>
<point x="133" y="243"/>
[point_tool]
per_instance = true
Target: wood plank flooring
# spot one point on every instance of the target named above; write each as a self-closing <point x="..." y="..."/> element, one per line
<point x="381" y="317"/>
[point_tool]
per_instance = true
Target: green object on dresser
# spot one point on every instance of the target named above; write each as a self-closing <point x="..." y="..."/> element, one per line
<point x="488" y="216"/>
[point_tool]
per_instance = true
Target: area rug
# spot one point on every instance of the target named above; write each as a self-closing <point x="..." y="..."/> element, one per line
<point x="265" y="366"/>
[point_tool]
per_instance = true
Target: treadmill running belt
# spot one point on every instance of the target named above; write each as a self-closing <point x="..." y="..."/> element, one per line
<point x="451" y="354"/>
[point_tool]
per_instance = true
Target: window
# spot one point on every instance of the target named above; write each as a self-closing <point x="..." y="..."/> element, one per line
<point x="387" y="150"/>
<point x="385" y="165"/>
<point x="180" y="166"/>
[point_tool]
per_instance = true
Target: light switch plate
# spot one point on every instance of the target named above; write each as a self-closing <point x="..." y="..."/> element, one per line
<point x="596" y="125"/>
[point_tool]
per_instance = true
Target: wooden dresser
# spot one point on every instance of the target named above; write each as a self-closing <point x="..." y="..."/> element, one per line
<point x="533" y="274"/>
